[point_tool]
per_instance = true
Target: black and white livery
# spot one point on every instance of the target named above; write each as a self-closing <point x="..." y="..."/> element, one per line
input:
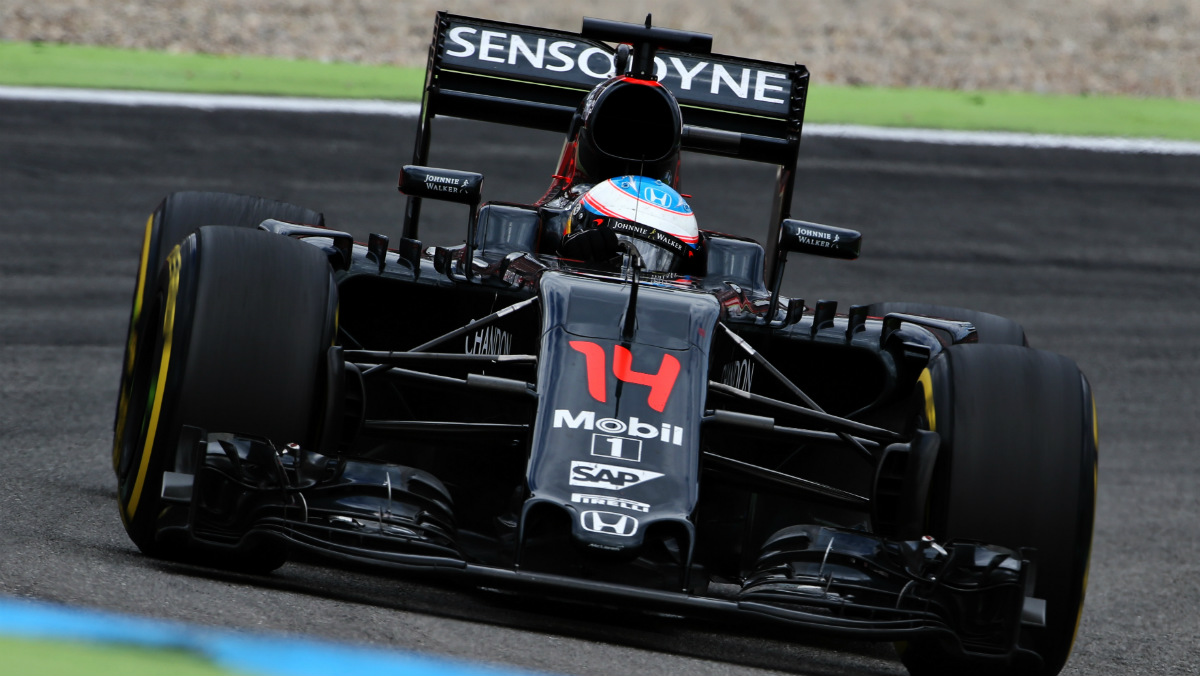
<point x="547" y="408"/>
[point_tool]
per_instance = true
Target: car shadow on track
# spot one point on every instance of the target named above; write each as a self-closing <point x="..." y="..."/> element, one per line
<point x="749" y="644"/>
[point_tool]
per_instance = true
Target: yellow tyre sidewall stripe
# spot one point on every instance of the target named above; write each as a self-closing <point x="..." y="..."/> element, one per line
<point x="173" y="265"/>
<point x="142" y="274"/>
<point x="926" y="380"/>
<point x="1087" y="569"/>
<point x="131" y="348"/>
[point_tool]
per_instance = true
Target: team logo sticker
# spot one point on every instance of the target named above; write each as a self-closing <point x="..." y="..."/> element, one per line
<point x="609" y="523"/>
<point x="612" y="477"/>
<point x="660" y="197"/>
<point x="633" y="427"/>
<point x="610" y="501"/>
<point x="612" y="446"/>
<point x="694" y="79"/>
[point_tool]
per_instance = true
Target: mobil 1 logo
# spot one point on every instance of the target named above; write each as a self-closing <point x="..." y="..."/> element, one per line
<point x="613" y="427"/>
<point x="621" y="448"/>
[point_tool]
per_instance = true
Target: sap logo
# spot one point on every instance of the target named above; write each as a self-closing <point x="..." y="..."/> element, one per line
<point x="739" y="374"/>
<point x="489" y="340"/>
<point x="667" y="433"/>
<point x="614" y="478"/>
<point x="609" y="523"/>
<point x="609" y="501"/>
<point x="660" y="197"/>
<point x="660" y="383"/>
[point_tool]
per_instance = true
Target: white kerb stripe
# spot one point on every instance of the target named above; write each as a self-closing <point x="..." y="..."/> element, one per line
<point x="212" y="101"/>
<point x="1005" y="139"/>
<point x="410" y="109"/>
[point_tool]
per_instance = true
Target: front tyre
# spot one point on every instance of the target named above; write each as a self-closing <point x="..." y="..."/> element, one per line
<point x="239" y="322"/>
<point x="177" y="216"/>
<point x="1017" y="468"/>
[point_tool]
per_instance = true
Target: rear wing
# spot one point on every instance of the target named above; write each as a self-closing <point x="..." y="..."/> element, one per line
<point x="533" y="77"/>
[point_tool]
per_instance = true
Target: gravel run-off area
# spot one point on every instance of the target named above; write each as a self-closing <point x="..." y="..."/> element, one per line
<point x="1130" y="47"/>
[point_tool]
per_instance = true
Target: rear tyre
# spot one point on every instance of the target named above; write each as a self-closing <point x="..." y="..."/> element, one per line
<point x="991" y="329"/>
<point x="238" y="324"/>
<point x="177" y="216"/>
<point x="1016" y="468"/>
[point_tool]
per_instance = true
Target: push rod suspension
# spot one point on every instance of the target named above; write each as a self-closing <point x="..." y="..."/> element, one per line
<point x="830" y="420"/>
<point x="462" y="330"/>
<point x="792" y="387"/>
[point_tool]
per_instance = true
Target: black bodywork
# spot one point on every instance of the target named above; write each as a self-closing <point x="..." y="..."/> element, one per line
<point x="694" y="442"/>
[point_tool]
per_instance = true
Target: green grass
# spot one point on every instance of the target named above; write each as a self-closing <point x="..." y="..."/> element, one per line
<point x="1006" y="111"/>
<point x="65" y="658"/>
<point x="44" y="64"/>
<point x="56" y="65"/>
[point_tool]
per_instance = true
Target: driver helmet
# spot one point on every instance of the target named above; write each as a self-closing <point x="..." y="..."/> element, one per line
<point x="645" y="212"/>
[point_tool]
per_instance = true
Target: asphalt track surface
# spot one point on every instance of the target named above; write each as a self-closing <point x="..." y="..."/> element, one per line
<point x="1096" y="254"/>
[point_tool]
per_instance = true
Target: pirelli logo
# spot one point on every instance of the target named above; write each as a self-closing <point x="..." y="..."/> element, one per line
<point x="610" y="501"/>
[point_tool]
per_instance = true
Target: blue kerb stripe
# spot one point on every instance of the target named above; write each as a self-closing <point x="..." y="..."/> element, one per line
<point x="247" y="652"/>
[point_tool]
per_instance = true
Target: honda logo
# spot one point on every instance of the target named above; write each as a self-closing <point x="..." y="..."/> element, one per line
<point x="660" y="197"/>
<point x="609" y="523"/>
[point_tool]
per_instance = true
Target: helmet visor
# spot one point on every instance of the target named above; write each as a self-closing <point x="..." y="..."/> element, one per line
<point x="655" y="258"/>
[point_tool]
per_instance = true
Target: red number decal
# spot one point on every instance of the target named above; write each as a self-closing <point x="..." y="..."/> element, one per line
<point x="660" y="383"/>
<point x="595" y="367"/>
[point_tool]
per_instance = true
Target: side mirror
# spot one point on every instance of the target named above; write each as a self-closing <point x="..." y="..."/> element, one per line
<point x="819" y="240"/>
<point x="810" y="238"/>
<point x="448" y="185"/>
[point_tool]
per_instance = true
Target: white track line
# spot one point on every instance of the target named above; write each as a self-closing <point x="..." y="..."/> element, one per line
<point x="211" y="101"/>
<point x="408" y="109"/>
<point x="1006" y="139"/>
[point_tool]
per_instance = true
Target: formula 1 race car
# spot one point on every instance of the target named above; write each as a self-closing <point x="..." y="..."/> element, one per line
<point x="591" y="397"/>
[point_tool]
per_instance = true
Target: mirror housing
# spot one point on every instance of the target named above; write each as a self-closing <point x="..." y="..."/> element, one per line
<point x="809" y="238"/>
<point x="448" y="185"/>
<point x="819" y="240"/>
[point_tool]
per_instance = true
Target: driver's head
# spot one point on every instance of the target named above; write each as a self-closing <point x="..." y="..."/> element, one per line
<point x="644" y="212"/>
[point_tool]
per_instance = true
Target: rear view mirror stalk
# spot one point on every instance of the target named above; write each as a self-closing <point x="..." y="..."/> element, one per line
<point x="448" y="185"/>
<point x="809" y="238"/>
